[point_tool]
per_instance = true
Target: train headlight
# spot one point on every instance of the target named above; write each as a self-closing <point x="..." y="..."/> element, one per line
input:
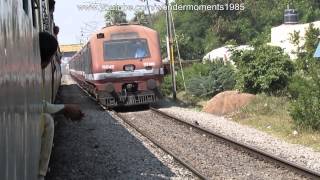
<point x="129" y="67"/>
<point x="109" y="71"/>
<point x="129" y="86"/>
<point x="100" y="36"/>
<point x="148" y="68"/>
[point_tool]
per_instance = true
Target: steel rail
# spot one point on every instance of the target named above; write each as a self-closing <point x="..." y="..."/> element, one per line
<point x="157" y="143"/>
<point x="253" y="150"/>
<point x="258" y="152"/>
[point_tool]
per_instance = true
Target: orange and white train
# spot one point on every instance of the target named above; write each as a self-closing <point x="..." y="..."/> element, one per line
<point x="120" y="65"/>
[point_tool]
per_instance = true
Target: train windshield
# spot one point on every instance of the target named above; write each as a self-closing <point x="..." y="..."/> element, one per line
<point x="126" y="49"/>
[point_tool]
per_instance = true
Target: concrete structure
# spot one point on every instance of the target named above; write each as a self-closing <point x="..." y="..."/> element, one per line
<point x="317" y="53"/>
<point x="70" y="47"/>
<point x="69" y="50"/>
<point x="282" y="36"/>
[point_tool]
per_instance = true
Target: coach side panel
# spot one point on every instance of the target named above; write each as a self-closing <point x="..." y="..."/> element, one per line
<point x="20" y="84"/>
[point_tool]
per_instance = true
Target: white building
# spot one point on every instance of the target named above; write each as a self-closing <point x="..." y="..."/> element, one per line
<point x="224" y="53"/>
<point x="282" y="36"/>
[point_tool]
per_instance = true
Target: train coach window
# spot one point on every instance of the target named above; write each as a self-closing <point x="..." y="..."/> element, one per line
<point x="126" y="49"/>
<point x="35" y="11"/>
<point x="25" y="6"/>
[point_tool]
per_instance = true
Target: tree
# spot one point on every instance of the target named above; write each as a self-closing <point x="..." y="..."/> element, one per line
<point x="201" y="31"/>
<point x="311" y="39"/>
<point x="115" y="16"/>
<point x="305" y="52"/>
<point x="141" y="18"/>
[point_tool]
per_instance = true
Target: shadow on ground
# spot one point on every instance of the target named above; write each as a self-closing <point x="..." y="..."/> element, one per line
<point x="98" y="147"/>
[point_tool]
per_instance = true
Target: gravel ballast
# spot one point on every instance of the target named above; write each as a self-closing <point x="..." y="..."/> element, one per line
<point x="301" y="155"/>
<point x="101" y="147"/>
<point x="97" y="147"/>
<point x="214" y="158"/>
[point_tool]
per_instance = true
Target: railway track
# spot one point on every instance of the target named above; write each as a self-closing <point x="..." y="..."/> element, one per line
<point x="161" y="146"/>
<point x="297" y="170"/>
<point x="175" y="156"/>
<point x="250" y="163"/>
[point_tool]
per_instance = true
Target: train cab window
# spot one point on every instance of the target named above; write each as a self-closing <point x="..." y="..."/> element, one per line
<point x="126" y="49"/>
<point x="25" y="6"/>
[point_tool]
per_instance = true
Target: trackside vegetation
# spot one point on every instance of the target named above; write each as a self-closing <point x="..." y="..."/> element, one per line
<point x="264" y="70"/>
<point x="305" y="87"/>
<point x="288" y="91"/>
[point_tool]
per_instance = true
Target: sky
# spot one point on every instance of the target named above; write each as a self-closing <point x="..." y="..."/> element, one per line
<point x="76" y="25"/>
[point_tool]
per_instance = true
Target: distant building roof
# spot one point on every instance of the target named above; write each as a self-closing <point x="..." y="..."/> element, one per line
<point x="224" y="52"/>
<point x="70" y="47"/>
<point x="282" y="36"/>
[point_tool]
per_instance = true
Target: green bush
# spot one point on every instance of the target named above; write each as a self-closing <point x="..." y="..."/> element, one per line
<point x="166" y="87"/>
<point x="202" y="80"/>
<point x="296" y="85"/>
<point x="263" y="70"/>
<point x="305" y="85"/>
<point x="305" y="110"/>
<point x="197" y="69"/>
<point x="199" y="86"/>
<point x="220" y="78"/>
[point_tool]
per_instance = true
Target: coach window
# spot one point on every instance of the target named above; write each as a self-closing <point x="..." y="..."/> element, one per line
<point x="82" y="60"/>
<point x="84" y="54"/>
<point x="35" y="12"/>
<point x="25" y="6"/>
<point x="89" y="60"/>
<point x="85" y="62"/>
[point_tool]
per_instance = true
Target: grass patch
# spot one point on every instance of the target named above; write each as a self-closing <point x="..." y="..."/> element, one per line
<point x="270" y="114"/>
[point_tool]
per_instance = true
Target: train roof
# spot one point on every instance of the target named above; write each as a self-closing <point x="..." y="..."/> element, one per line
<point x="109" y="31"/>
<point x="122" y="31"/>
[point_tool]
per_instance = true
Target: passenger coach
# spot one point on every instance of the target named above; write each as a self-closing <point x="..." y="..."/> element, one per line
<point x="120" y="65"/>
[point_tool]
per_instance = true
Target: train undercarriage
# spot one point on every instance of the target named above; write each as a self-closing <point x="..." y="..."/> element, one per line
<point x="126" y="97"/>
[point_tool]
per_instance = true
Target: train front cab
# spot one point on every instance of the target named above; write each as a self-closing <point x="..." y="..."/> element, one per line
<point x="126" y="65"/>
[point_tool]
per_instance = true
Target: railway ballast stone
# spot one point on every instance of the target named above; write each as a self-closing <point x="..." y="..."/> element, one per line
<point x="227" y="102"/>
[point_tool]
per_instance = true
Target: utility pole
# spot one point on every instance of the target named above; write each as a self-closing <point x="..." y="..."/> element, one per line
<point x="170" y="52"/>
<point x="150" y="19"/>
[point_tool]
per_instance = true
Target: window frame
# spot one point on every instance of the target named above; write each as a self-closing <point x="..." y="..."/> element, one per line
<point x="35" y="5"/>
<point x="25" y="6"/>
<point x="122" y="59"/>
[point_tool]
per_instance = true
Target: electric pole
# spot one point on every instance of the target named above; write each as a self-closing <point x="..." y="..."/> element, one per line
<point x="170" y="52"/>
<point x="150" y="18"/>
